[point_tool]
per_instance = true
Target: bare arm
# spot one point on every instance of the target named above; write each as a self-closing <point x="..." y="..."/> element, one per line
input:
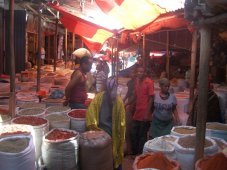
<point x="75" y="79"/>
<point x="175" y="115"/>
<point x="147" y="115"/>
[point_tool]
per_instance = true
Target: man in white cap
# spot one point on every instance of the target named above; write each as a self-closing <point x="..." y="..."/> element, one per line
<point x="75" y="91"/>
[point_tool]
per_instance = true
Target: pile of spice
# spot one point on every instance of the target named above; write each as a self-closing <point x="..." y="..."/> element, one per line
<point x="58" y="134"/>
<point x="80" y="113"/>
<point x="60" y="108"/>
<point x="184" y="130"/>
<point x="156" y="160"/>
<point x="57" y="117"/>
<point x="9" y="130"/>
<point x="216" y="126"/>
<point x="28" y="105"/>
<point x="217" y="161"/>
<point x="30" y="120"/>
<point x="14" y="145"/>
<point x="190" y="142"/>
<point x="31" y="111"/>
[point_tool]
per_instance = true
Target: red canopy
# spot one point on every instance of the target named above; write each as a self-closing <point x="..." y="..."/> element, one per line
<point x="93" y="35"/>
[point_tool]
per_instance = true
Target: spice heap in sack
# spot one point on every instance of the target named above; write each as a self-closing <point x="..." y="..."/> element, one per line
<point x="214" y="162"/>
<point x="30" y="120"/>
<point x="10" y="130"/>
<point x="57" y="134"/>
<point x="155" y="160"/>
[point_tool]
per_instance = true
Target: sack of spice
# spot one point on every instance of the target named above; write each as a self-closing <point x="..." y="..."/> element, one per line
<point x="17" y="152"/>
<point x="215" y="129"/>
<point x="60" y="149"/>
<point x="185" y="150"/>
<point x="155" y="161"/>
<point x="161" y="144"/>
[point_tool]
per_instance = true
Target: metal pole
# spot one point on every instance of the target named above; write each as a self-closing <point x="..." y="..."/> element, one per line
<point x="66" y="46"/>
<point x="112" y="57"/>
<point x="12" y="102"/>
<point x="193" y="67"/>
<point x="205" y="33"/>
<point x="39" y="51"/>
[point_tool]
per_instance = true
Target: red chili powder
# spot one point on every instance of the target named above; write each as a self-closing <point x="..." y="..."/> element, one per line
<point x="78" y="113"/>
<point x="57" y="134"/>
<point x="30" y="120"/>
<point x="14" y="133"/>
<point x="217" y="161"/>
<point x="157" y="160"/>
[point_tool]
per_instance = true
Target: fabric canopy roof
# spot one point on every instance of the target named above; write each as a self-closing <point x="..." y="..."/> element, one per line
<point x="93" y="35"/>
<point x="131" y="14"/>
<point x="171" y="21"/>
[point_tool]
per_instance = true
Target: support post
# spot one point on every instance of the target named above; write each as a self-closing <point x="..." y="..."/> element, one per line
<point x="56" y="43"/>
<point x="193" y="67"/>
<point x="167" y="54"/>
<point x="66" y="46"/>
<point x="39" y="52"/>
<point x="144" y="52"/>
<point x="12" y="102"/>
<point x="205" y="33"/>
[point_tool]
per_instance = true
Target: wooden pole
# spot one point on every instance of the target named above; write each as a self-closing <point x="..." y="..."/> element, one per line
<point x="12" y="102"/>
<point x="167" y="54"/>
<point x="193" y="68"/>
<point x="73" y="42"/>
<point x="56" y="44"/>
<point x="66" y="46"/>
<point x="48" y="56"/>
<point x="117" y="58"/>
<point x="144" y="52"/>
<point x="205" y="33"/>
<point x="112" y="58"/>
<point x="39" y="52"/>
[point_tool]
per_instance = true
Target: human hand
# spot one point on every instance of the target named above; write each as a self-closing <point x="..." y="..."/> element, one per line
<point x="65" y="103"/>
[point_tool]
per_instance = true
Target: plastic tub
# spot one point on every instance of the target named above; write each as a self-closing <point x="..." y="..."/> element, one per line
<point x="58" y="109"/>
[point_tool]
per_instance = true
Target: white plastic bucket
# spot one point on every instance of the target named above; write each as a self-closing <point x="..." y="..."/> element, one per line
<point x="77" y="122"/>
<point x="39" y="112"/>
<point x="58" y="120"/>
<point x="38" y="130"/>
<point x="185" y="156"/>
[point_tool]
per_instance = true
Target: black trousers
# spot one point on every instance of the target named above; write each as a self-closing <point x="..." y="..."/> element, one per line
<point x="139" y="136"/>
